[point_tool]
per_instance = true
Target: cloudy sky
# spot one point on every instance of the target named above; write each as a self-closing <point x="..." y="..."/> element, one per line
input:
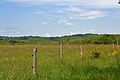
<point x="58" y="17"/>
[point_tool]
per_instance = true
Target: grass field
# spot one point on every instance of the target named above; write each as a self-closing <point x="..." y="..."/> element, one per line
<point x="16" y="63"/>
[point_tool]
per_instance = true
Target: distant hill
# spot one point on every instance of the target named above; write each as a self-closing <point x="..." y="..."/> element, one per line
<point x="68" y="39"/>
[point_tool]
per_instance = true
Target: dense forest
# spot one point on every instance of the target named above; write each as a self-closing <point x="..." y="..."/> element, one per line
<point x="70" y="39"/>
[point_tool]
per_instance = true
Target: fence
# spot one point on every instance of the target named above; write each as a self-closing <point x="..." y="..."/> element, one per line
<point x="34" y="66"/>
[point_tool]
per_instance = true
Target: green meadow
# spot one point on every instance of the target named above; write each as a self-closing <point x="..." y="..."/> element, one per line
<point x="16" y="62"/>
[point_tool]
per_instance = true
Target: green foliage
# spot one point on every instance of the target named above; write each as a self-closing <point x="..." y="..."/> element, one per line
<point x="71" y="39"/>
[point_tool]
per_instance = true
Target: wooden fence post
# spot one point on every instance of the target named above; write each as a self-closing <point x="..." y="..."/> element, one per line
<point x="117" y="44"/>
<point x="61" y="51"/>
<point x="113" y="46"/>
<point x="34" y="61"/>
<point x="81" y="52"/>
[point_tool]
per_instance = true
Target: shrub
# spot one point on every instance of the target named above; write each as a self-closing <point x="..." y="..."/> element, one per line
<point x="115" y="53"/>
<point x="96" y="54"/>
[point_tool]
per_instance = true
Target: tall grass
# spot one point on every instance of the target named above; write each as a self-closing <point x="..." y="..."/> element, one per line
<point x="16" y="63"/>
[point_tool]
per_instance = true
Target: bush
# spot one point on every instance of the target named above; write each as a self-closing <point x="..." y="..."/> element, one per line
<point x="12" y="41"/>
<point x="96" y="54"/>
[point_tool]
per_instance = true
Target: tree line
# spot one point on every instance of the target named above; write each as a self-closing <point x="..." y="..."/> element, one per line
<point x="69" y="39"/>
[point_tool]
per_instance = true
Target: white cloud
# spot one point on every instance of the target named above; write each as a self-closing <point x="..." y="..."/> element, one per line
<point x="65" y="21"/>
<point x="72" y="33"/>
<point x="17" y="32"/>
<point x="93" y="14"/>
<point x="102" y="4"/>
<point x="83" y="15"/>
<point x="92" y="30"/>
<point x="59" y="11"/>
<point x="2" y="31"/>
<point x="42" y="1"/>
<point x="71" y="17"/>
<point x="89" y="3"/>
<point x="69" y="9"/>
<point x="75" y="13"/>
<point x="46" y="35"/>
<point x="69" y="24"/>
<point x="74" y="9"/>
<point x="38" y="12"/>
<point x="58" y="22"/>
<point x="44" y="23"/>
<point x="10" y="32"/>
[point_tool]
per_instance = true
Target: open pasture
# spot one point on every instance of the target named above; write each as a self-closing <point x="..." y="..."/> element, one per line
<point x="16" y="62"/>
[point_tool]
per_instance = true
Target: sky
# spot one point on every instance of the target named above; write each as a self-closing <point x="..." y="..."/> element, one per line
<point x="48" y="18"/>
